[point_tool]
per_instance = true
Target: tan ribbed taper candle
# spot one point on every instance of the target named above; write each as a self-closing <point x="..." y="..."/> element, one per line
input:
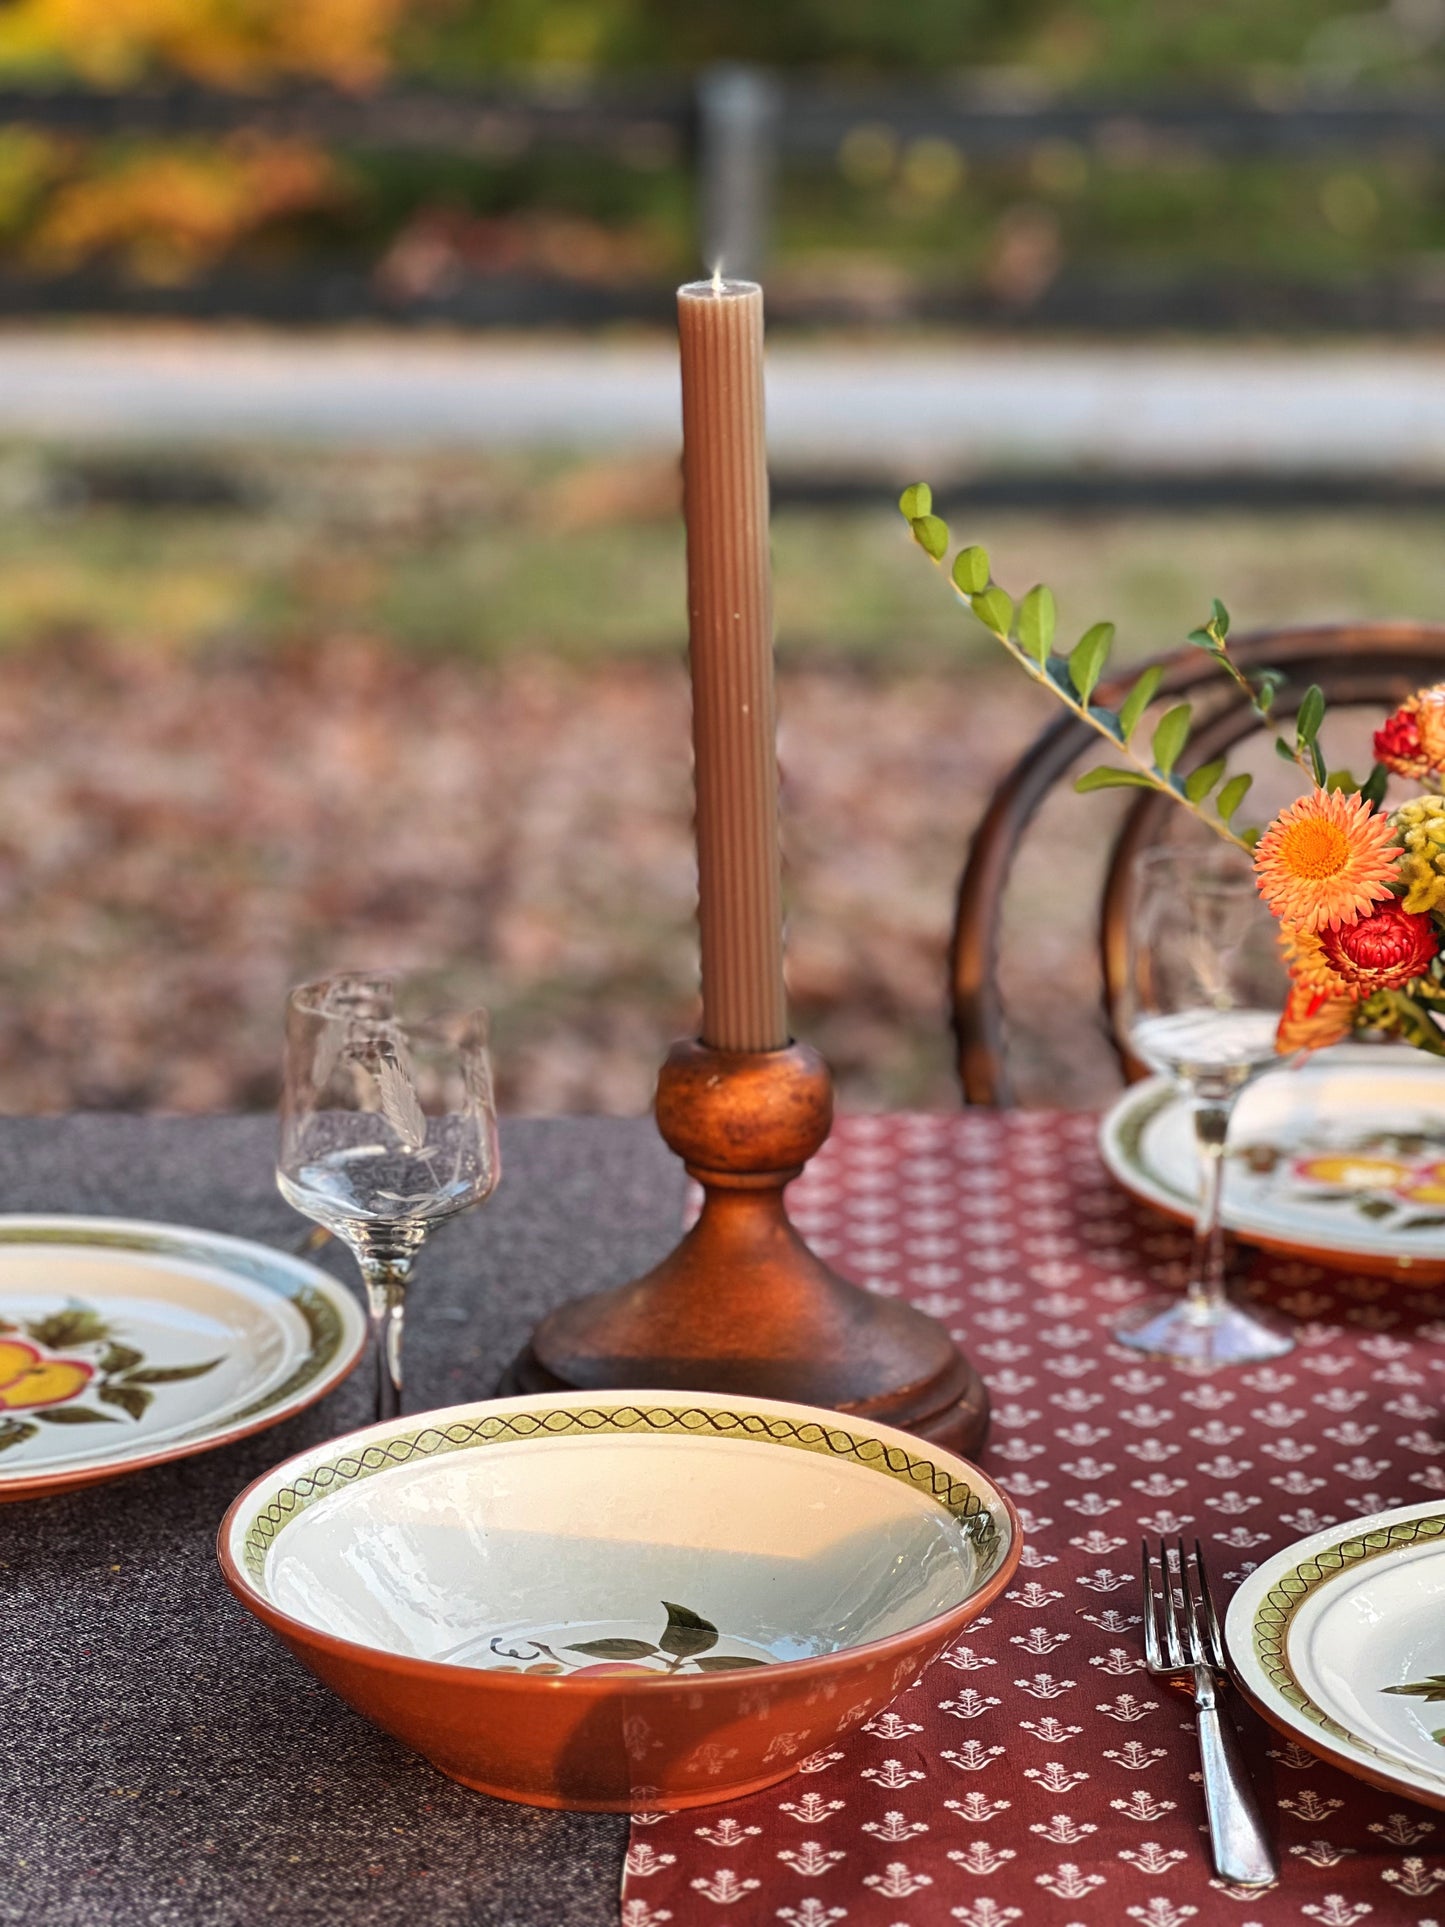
<point x="730" y="623"/>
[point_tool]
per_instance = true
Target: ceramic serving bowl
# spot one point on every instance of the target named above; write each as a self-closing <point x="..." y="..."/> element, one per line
<point x="614" y="1601"/>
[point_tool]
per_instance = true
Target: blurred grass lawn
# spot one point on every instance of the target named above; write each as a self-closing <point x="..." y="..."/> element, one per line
<point x="582" y="561"/>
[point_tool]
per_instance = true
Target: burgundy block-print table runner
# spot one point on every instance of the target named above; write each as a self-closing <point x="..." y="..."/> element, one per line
<point x="1036" y="1776"/>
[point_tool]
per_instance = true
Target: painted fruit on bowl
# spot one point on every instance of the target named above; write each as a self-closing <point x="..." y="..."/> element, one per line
<point x="617" y="1601"/>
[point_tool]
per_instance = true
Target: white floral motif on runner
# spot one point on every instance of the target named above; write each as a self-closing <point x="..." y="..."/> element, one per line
<point x="1000" y="1791"/>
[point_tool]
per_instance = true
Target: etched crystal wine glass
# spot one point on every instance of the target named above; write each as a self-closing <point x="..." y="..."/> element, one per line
<point x="1204" y="989"/>
<point x="388" y="1128"/>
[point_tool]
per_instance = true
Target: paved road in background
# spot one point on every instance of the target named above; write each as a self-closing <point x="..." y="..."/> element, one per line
<point x="890" y="408"/>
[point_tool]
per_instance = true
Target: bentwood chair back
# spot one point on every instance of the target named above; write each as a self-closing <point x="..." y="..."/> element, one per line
<point x="1376" y="664"/>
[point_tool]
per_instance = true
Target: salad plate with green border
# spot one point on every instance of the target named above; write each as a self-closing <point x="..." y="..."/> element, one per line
<point x="124" y="1344"/>
<point x="1339" y="1641"/>
<point x="1339" y="1159"/>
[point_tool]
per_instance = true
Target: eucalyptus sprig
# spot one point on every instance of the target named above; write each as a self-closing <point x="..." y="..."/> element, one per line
<point x="1260" y="690"/>
<point x="1026" y="630"/>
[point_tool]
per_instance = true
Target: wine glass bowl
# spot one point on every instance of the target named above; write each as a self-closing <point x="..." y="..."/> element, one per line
<point x="388" y="1129"/>
<point x="1204" y="987"/>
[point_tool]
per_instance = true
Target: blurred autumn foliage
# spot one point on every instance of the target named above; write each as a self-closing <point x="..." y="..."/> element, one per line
<point x="881" y="219"/>
<point x="229" y="43"/>
<point x="172" y="210"/>
<point x="169" y="209"/>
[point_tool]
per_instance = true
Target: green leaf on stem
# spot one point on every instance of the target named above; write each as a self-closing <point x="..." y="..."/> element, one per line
<point x="1341" y="779"/>
<point x="970" y="570"/>
<point x="1221" y="619"/>
<point x="1171" y="736"/>
<point x="916" y="501"/>
<point x="931" y="535"/>
<point x="1267" y="685"/>
<point x="1201" y="781"/>
<point x="1139" y="699"/>
<point x="1087" y="659"/>
<point x="1232" y="795"/>
<point x="1399" y="1015"/>
<point x="994" y="609"/>
<point x="1311" y="714"/>
<point x="1374" y="786"/>
<point x="1037" y="617"/>
<point x="1108" y="778"/>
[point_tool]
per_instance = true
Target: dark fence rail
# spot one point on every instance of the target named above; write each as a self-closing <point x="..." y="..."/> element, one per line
<point x="736" y="127"/>
<point x="483" y="122"/>
<point x="811" y="118"/>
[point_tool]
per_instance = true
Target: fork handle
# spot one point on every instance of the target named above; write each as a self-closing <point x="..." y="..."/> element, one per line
<point x="1239" y="1845"/>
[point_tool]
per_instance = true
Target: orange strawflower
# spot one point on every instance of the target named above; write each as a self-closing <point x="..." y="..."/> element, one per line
<point x="1308" y="966"/>
<point x="1430" y="721"/>
<point x="1325" y="859"/>
<point x="1310" y="1021"/>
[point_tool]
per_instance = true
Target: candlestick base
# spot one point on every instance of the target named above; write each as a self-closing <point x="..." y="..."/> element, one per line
<point x="742" y="1305"/>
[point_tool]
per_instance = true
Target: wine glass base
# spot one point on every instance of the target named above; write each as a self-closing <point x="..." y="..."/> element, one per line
<point x="1173" y="1328"/>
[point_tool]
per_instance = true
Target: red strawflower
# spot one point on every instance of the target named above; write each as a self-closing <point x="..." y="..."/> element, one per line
<point x="1397" y="742"/>
<point x="1383" y="950"/>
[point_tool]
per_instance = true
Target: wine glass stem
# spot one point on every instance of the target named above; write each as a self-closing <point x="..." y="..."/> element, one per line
<point x="1206" y="1266"/>
<point x="386" y="1282"/>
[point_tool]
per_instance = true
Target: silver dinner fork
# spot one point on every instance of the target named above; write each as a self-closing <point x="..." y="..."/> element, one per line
<point x="1183" y="1645"/>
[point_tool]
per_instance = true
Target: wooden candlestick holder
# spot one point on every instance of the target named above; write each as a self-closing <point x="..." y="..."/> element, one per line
<point x="742" y="1305"/>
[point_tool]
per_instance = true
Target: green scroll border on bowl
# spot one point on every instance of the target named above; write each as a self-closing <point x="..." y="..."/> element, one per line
<point x="922" y="1474"/>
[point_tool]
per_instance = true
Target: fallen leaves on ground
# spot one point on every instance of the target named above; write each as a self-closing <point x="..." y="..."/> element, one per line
<point x="185" y="835"/>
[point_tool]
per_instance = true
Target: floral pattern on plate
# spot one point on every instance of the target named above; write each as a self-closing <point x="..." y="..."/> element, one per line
<point x="124" y="1342"/>
<point x="42" y="1377"/>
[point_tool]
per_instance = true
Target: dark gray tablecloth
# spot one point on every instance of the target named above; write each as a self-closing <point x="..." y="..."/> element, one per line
<point x="162" y="1759"/>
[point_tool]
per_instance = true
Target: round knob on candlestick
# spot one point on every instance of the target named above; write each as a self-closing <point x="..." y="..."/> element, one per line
<point x="744" y="1114"/>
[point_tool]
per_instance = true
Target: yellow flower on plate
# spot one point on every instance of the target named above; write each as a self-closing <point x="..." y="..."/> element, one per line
<point x="1325" y="859"/>
<point x="1356" y="1173"/>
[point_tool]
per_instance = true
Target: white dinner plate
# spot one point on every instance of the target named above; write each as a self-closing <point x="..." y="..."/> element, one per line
<point x="125" y="1343"/>
<point x="1339" y="1640"/>
<point x="1338" y="1158"/>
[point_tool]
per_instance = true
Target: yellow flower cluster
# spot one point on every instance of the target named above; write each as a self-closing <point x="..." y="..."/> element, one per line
<point x="1420" y="825"/>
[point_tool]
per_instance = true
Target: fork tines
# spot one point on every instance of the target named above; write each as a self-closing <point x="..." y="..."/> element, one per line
<point x="1181" y="1626"/>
